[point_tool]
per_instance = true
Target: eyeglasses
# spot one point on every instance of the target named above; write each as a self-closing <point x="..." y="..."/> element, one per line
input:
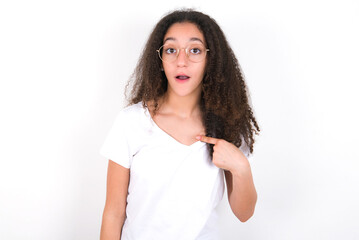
<point x="194" y="52"/>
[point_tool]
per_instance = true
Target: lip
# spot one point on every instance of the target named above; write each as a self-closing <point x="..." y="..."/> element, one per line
<point x="178" y="79"/>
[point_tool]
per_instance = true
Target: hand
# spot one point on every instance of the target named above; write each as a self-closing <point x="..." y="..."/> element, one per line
<point x="226" y="155"/>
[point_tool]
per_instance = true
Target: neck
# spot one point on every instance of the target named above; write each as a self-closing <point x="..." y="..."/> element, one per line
<point x="182" y="106"/>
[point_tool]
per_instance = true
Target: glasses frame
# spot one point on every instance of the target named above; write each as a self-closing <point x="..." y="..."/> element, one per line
<point x="178" y="52"/>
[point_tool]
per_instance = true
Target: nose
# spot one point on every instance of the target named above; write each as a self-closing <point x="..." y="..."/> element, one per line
<point x="182" y="58"/>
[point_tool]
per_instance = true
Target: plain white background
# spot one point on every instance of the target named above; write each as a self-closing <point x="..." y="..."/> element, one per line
<point x="63" y="67"/>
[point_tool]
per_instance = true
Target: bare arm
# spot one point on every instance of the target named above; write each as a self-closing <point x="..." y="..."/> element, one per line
<point x="242" y="195"/>
<point x="114" y="214"/>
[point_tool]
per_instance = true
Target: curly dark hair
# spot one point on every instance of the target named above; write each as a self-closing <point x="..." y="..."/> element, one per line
<point x="226" y="112"/>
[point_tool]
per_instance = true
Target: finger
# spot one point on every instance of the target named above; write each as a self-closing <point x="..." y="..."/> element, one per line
<point x="206" y="139"/>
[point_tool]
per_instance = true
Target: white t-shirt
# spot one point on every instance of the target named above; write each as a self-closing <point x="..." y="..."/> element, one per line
<point x="174" y="188"/>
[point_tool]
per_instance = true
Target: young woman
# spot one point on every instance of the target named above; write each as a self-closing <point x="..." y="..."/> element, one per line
<point x="188" y="126"/>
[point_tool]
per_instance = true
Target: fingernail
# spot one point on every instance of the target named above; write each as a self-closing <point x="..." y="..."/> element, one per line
<point x="198" y="137"/>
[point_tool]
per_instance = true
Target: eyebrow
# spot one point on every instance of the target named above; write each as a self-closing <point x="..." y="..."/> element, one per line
<point x="173" y="39"/>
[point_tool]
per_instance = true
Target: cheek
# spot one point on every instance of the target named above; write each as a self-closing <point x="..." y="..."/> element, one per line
<point x="165" y="67"/>
<point x="167" y="70"/>
<point x="201" y="70"/>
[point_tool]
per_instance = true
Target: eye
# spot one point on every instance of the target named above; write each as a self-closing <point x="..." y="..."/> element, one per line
<point x="195" y="51"/>
<point x="170" y="50"/>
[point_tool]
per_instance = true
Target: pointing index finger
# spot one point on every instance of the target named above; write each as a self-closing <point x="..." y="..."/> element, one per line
<point x="206" y="139"/>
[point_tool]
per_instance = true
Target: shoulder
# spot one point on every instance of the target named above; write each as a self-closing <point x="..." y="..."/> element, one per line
<point x="132" y="109"/>
<point x="131" y="113"/>
<point x="133" y="119"/>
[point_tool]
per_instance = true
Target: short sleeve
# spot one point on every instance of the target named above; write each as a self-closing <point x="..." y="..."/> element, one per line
<point x="116" y="146"/>
<point x="245" y="150"/>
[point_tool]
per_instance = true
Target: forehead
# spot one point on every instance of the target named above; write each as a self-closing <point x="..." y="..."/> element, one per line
<point x="184" y="32"/>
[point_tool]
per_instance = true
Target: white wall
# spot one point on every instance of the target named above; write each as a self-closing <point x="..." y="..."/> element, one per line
<point x="63" y="66"/>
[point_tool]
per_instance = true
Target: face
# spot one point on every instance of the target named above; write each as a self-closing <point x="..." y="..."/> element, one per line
<point x="184" y="76"/>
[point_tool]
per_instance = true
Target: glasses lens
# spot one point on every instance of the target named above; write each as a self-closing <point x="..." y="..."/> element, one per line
<point x="196" y="52"/>
<point x="168" y="53"/>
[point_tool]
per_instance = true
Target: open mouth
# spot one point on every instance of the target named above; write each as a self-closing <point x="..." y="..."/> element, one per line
<point x="182" y="77"/>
